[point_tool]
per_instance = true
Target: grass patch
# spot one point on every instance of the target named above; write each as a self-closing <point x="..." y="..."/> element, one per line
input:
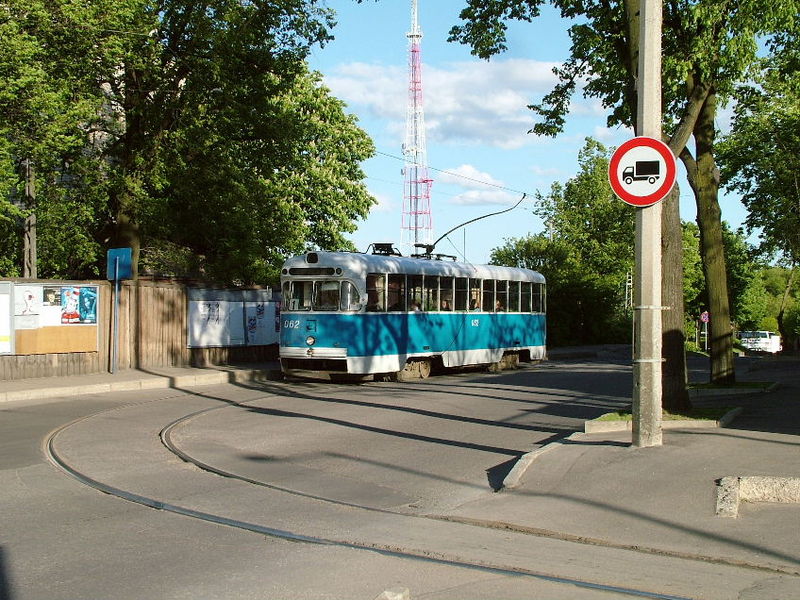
<point x="700" y="414"/>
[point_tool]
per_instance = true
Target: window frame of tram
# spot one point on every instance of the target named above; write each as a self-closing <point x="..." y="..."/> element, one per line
<point x="376" y="292"/>
<point x="475" y="288"/>
<point x="303" y="301"/>
<point x="396" y="292"/>
<point x="487" y="301"/>
<point x="430" y="298"/>
<point x="446" y="290"/>
<point x="414" y="292"/>
<point x="461" y="293"/>
<point x="399" y="292"/>
<point x="513" y="296"/>
<point x="349" y="300"/>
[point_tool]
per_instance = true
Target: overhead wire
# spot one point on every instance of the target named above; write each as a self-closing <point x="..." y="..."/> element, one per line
<point x="459" y="175"/>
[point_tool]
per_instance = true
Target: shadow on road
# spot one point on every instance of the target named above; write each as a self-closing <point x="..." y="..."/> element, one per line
<point x="5" y="579"/>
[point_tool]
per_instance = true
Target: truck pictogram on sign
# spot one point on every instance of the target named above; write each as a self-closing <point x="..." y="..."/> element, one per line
<point x="642" y="170"/>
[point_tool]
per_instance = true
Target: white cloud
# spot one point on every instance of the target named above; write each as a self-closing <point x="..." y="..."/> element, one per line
<point x="385" y="203"/>
<point x="468" y="177"/>
<point x="481" y="103"/>
<point x="546" y="171"/>
<point x="485" y="196"/>
<point x="481" y="187"/>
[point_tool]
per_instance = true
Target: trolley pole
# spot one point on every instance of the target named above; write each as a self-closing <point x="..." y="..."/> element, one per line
<point x="647" y="290"/>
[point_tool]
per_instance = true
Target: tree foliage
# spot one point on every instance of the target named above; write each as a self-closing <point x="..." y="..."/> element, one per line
<point x="708" y="47"/>
<point x="193" y="130"/>
<point x="586" y="255"/>
<point x="760" y="158"/>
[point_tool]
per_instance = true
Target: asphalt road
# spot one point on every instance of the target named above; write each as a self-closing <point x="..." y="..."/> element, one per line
<point x="407" y="449"/>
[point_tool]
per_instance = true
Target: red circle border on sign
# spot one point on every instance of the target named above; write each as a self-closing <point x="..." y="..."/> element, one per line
<point x="669" y="179"/>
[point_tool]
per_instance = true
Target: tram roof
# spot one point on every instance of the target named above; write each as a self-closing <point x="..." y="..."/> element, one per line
<point x="361" y="264"/>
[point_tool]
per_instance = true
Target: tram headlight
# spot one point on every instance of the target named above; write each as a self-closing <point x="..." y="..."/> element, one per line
<point x="311" y="340"/>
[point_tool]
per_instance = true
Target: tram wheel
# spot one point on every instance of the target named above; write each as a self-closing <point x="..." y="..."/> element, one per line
<point x="416" y="368"/>
<point x="424" y="368"/>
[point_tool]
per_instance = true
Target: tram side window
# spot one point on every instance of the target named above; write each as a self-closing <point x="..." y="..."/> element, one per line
<point x="488" y="294"/>
<point x="446" y="293"/>
<point x="351" y="299"/>
<point x="431" y="298"/>
<point x="538" y="297"/>
<point x="297" y="294"/>
<point x="397" y="292"/>
<point x="326" y="295"/>
<point x="525" y="304"/>
<point x="501" y="297"/>
<point x="415" y="292"/>
<point x="543" y="294"/>
<point x="474" y="294"/>
<point x="462" y="293"/>
<point x="376" y="292"/>
<point x="513" y="296"/>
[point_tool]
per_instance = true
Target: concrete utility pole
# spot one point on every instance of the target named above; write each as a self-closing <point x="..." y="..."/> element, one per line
<point x="647" y="292"/>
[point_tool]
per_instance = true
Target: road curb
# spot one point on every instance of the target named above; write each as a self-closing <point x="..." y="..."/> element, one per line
<point x="610" y="426"/>
<point x="515" y="475"/>
<point x="149" y="382"/>
<point x="733" y="490"/>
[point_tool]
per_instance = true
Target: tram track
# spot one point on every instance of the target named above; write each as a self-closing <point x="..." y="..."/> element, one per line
<point x="395" y="550"/>
<point x="56" y="459"/>
<point x="166" y="439"/>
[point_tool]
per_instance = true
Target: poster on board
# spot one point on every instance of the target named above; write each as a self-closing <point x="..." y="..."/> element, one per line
<point x="27" y="305"/>
<point x="260" y="328"/>
<point x="216" y="323"/>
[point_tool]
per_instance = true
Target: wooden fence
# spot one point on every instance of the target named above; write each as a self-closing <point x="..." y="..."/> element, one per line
<point x="152" y="332"/>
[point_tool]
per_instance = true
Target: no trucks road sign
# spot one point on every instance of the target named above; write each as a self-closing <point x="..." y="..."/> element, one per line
<point x="642" y="171"/>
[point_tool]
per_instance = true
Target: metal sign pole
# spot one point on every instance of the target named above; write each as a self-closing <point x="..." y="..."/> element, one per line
<point x="115" y="341"/>
<point x="647" y="315"/>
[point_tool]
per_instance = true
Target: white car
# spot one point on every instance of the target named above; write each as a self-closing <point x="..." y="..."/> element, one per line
<point x="761" y="341"/>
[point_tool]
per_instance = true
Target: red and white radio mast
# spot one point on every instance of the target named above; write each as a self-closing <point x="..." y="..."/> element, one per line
<point x="417" y="222"/>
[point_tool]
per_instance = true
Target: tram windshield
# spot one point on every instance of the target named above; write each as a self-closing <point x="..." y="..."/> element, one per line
<point x="321" y="295"/>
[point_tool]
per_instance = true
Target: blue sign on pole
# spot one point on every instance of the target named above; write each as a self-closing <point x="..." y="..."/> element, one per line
<point x="119" y="264"/>
<point x="120" y="261"/>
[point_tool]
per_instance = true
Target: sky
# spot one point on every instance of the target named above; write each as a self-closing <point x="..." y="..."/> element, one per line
<point x="480" y="155"/>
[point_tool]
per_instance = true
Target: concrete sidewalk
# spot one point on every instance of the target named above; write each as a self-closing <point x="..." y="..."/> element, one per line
<point x="134" y="379"/>
<point x="164" y="377"/>
<point x="673" y="499"/>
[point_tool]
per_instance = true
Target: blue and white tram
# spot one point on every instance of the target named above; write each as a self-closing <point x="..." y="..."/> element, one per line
<point x="357" y="314"/>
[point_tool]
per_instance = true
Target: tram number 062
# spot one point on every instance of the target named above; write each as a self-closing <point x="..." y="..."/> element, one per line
<point x="287" y="324"/>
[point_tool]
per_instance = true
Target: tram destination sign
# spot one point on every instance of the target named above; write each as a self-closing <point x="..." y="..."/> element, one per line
<point x="642" y="171"/>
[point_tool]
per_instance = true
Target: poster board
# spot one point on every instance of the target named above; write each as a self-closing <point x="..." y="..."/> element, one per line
<point x="221" y="318"/>
<point x="55" y="318"/>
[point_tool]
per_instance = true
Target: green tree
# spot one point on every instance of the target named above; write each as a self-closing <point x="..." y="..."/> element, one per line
<point x="708" y="47"/>
<point x="582" y="306"/>
<point x="199" y="134"/>
<point x="586" y="255"/>
<point x="760" y="159"/>
<point x="50" y="61"/>
<point x="586" y="214"/>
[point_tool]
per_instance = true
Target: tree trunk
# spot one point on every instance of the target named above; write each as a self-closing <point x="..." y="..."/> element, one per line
<point x="784" y="301"/>
<point x="705" y="183"/>
<point x="29" y="254"/>
<point x="675" y="396"/>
